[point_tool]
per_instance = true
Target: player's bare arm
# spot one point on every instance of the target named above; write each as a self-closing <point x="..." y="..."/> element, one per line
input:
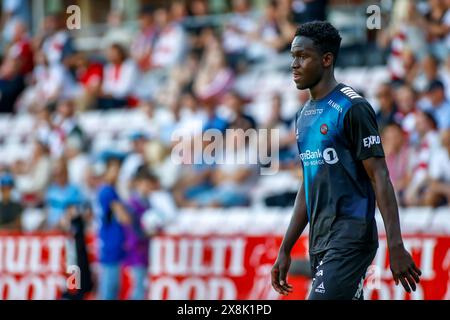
<point x="297" y="224"/>
<point x="403" y="267"/>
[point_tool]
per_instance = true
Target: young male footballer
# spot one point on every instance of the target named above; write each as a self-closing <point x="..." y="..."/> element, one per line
<point x="344" y="174"/>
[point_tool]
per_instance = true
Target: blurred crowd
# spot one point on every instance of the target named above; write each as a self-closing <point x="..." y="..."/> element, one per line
<point x="414" y="106"/>
<point x="182" y="72"/>
<point x="182" y="77"/>
<point x="178" y="75"/>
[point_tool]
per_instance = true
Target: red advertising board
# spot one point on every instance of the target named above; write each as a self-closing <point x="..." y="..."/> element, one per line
<point x="238" y="267"/>
<point x="211" y="267"/>
<point x="32" y="266"/>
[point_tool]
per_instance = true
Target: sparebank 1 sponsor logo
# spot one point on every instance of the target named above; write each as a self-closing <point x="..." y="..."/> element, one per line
<point x="318" y="157"/>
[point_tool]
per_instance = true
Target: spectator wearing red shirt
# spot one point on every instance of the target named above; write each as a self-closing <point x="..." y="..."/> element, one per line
<point x="21" y="49"/>
<point x="89" y="75"/>
<point x="11" y="84"/>
<point x="18" y="62"/>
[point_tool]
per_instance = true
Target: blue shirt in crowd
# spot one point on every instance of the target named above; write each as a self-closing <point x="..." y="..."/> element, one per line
<point x="59" y="198"/>
<point x="111" y="233"/>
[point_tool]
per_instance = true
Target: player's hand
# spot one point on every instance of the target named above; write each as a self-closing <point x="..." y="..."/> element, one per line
<point x="279" y="273"/>
<point x="403" y="268"/>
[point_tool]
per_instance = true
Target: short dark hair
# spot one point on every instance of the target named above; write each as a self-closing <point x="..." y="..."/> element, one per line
<point x="431" y="118"/>
<point x="147" y="10"/>
<point x="121" y="49"/>
<point x="435" y="84"/>
<point x="144" y="173"/>
<point x="324" y="35"/>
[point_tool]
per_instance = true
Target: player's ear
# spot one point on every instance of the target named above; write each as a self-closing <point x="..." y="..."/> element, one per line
<point x="327" y="60"/>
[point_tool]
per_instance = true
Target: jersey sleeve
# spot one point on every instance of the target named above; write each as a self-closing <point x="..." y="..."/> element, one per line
<point x="361" y="130"/>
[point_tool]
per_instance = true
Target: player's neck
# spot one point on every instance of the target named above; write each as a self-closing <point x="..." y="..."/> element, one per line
<point x="323" y="88"/>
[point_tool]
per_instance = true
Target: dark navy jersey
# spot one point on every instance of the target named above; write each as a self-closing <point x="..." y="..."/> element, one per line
<point x="334" y="134"/>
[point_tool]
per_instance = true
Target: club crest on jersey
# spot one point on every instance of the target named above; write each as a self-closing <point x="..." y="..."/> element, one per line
<point x="324" y="129"/>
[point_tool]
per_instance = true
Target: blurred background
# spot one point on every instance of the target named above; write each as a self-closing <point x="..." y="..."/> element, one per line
<point x="90" y="98"/>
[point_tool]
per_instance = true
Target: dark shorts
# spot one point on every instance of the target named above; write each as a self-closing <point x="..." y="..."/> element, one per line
<point x="338" y="274"/>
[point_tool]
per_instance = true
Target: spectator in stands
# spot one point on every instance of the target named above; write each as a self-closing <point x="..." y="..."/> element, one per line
<point x="132" y="162"/>
<point x="93" y="176"/>
<point x="426" y="145"/>
<point x="62" y="199"/>
<point x="194" y="180"/>
<point x="171" y="43"/>
<point x="214" y="119"/>
<point x="10" y="210"/>
<point x="117" y="32"/>
<point x="136" y="238"/>
<point x="45" y="130"/>
<point x="406" y="99"/>
<point x="12" y="11"/>
<point x="424" y="73"/>
<point x="50" y="82"/>
<point x="446" y="26"/>
<point x="89" y="75"/>
<point x="273" y="34"/>
<point x="198" y="12"/>
<point x="66" y="119"/>
<point x="33" y="176"/>
<point x="437" y="29"/>
<point x="214" y="77"/>
<point x="179" y="81"/>
<point x="77" y="162"/>
<point x="66" y="211"/>
<point x="235" y="113"/>
<point x="237" y="30"/>
<point x="234" y="177"/>
<point x="111" y="236"/>
<point x="119" y="79"/>
<point x="21" y="49"/>
<point x="198" y="9"/>
<point x="11" y="84"/>
<point x="192" y="115"/>
<point x="438" y="104"/>
<point x="405" y="38"/>
<point x="57" y="45"/>
<point x="445" y="74"/>
<point x="160" y="162"/>
<point x="178" y="11"/>
<point x="142" y="46"/>
<point x="386" y="113"/>
<point x="285" y="127"/>
<point x="438" y="191"/>
<point x="16" y="65"/>
<point x="398" y="155"/>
